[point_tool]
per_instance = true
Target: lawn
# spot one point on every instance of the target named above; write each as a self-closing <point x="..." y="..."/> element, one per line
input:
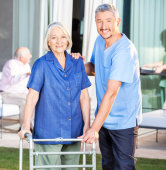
<point x="9" y="158"/>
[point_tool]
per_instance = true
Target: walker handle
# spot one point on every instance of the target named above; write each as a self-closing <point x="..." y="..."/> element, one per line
<point x="28" y="137"/>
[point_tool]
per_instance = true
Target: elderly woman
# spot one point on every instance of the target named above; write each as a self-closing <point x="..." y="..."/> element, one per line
<point x="58" y="93"/>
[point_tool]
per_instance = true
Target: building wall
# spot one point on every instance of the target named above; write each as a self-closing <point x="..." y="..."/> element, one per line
<point x="6" y="19"/>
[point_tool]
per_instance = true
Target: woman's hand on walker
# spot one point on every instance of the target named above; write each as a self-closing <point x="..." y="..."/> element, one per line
<point x="22" y="133"/>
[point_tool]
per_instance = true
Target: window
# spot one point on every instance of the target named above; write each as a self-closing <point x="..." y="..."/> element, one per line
<point x="6" y="20"/>
<point x="77" y="25"/>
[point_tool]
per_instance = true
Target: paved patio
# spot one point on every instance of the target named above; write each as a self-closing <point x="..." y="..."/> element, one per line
<point x="147" y="146"/>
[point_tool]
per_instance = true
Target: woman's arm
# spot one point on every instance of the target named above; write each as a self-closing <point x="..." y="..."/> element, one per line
<point x="31" y="101"/>
<point x="85" y="108"/>
<point x="161" y="68"/>
<point x="153" y="64"/>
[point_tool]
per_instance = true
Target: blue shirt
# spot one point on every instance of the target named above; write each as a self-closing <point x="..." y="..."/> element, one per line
<point x="118" y="62"/>
<point x="58" y="112"/>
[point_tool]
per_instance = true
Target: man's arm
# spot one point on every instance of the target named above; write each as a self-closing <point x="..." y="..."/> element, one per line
<point x="90" y="69"/>
<point x="113" y="87"/>
<point x="85" y="108"/>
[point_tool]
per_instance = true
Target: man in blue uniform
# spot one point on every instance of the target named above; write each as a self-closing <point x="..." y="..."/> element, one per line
<point x="114" y="63"/>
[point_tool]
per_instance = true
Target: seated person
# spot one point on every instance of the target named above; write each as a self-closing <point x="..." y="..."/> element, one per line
<point x="15" y="76"/>
<point x="159" y="67"/>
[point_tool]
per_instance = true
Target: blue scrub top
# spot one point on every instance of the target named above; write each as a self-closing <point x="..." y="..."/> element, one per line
<point x="118" y="62"/>
<point x="58" y="111"/>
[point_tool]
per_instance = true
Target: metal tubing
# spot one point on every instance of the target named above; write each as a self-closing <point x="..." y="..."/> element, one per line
<point x="1" y="116"/>
<point x="30" y="154"/>
<point x="20" y="154"/>
<point x="57" y="140"/>
<point x="157" y="135"/>
<point x="84" y="155"/>
<point x="63" y="153"/>
<point x="62" y="166"/>
<point x="94" y="156"/>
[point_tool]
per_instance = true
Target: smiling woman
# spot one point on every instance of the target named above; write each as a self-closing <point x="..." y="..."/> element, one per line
<point x="58" y="93"/>
<point x="58" y="43"/>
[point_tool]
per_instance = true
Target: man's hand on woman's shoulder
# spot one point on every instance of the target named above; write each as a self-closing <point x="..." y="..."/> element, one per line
<point x="77" y="56"/>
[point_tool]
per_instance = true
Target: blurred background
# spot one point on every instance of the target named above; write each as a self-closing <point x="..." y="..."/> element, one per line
<point x="24" y="22"/>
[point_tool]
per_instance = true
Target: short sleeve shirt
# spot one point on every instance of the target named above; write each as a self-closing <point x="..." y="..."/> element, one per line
<point x="58" y="112"/>
<point x="14" y="77"/>
<point x="118" y="62"/>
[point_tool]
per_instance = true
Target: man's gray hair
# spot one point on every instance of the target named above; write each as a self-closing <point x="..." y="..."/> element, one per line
<point x="107" y="7"/>
<point x="20" y="52"/>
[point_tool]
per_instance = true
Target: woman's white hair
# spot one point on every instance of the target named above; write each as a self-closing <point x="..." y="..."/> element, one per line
<point x="62" y="27"/>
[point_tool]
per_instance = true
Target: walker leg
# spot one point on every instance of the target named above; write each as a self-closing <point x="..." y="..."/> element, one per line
<point x="156" y="135"/>
<point x="84" y="155"/>
<point x="94" y="156"/>
<point x="30" y="155"/>
<point x="21" y="154"/>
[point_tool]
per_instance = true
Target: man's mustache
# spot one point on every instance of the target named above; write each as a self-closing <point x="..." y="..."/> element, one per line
<point x="105" y="29"/>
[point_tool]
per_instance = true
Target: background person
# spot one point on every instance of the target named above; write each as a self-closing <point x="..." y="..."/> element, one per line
<point x="114" y="63"/>
<point x="160" y="67"/>
<point x="15" y="76"/>
<point x="58" y="93"/>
